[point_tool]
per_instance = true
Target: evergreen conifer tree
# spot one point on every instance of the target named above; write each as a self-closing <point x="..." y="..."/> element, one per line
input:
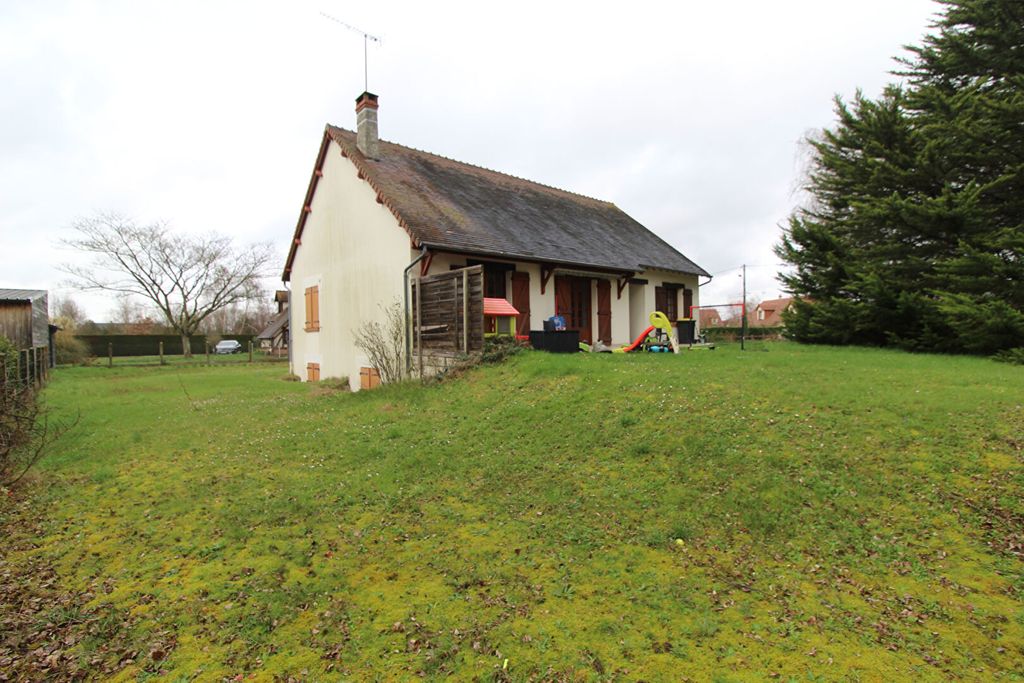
<point x="915" y="233"/>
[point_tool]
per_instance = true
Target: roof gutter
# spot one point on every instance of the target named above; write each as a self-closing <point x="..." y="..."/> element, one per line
<point x="405" y="295"/>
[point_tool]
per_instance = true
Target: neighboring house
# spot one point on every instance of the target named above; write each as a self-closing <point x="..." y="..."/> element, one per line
<point x="25" y="319"/>
<point x="709" y="317"/>
<point x="274" y="337"/>
<point x="373" y="208"/>
<point x="769" y="313"/>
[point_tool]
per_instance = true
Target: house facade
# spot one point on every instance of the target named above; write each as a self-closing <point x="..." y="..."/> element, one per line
<point x="377" y="215"/>
<point x="768" y="313"/>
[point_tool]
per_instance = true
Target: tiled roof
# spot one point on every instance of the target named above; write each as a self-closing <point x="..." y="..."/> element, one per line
<point x="776" y="304"/>
<point x="453" y="206"/>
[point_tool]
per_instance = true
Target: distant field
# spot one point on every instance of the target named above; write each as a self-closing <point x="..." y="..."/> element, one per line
<point x="785" y="513"/>
<point x="196" y="359"/>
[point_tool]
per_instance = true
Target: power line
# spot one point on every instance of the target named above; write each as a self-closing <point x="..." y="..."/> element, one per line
<point x="751" y="265"/>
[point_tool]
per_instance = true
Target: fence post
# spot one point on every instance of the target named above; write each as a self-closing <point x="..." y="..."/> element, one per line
<point x="419" y="327"/>
<point x="19" y="367"/>
<point x="465" y="312"/>
<point x="35" y="366"/>
<point x="110" y="354"/>
<point x="162" y="361"/>
<point x="250" y="350"/>
<point x="207" y="345"/>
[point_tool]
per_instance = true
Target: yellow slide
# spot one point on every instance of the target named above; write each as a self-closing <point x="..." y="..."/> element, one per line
<point x="660" y="321"/>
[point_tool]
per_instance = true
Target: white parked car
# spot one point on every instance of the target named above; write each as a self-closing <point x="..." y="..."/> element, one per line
<point x="228" y="346"/>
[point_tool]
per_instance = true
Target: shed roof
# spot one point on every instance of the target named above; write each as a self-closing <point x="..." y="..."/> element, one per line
<point x="21" y="294"/>
<point x="274" y="326"/>
<point x="453" y="206"/>
<point x="499" y="307"/>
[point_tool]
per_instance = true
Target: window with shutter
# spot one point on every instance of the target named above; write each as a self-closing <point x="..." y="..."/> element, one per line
<point x="312" y="309"/>
<point x="312" y="372"/>
<point x="666" y="300"/>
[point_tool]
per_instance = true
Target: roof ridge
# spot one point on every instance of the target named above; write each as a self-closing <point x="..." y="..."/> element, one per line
<point x="489" y="170"/>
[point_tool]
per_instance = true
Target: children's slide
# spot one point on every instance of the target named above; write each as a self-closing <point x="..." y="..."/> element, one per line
<point x="638" y="341"/>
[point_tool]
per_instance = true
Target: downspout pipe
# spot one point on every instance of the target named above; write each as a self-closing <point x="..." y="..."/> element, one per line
<point x="405" y="296"/>
<point x="291" y="365"/>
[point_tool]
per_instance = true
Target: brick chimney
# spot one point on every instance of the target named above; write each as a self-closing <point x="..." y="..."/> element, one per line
<point x="366" y="125"/>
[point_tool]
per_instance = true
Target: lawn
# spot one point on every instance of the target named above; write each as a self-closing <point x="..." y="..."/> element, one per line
<point x="784" y="513"/>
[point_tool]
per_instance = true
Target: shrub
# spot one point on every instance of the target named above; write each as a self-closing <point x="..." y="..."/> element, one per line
<point x="384" y="343"/>
<point x="1012" y="356"/>
<point x="497" y="349"/>
<point x="70" y="350"/>
<point x="25" y="428"/>
<point x="9" y="359"/>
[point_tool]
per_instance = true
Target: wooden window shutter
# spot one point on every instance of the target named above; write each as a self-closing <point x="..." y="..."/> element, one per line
<point x="309" y="308"/>
<point x="312" y="372"/>
<point x="521" y="300"/>
<point x="312" y="309"/>
<point x="604" y="311"/>
<point x="316" y="308"/>
<point x="369" y="378"/>
<point x="661" y="299"/>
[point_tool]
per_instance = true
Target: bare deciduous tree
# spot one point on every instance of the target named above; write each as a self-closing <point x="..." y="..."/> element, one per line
<point x="66" y="313"/>
<point x="186" y="278"/>
<point x="384" y="343"/>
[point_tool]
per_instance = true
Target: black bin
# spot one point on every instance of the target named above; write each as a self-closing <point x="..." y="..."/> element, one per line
<point x="556" y="342"/>
<point x="686" y="329"/>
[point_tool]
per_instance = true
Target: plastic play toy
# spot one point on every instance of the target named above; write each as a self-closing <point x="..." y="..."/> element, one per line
<point x="648" y="342"/>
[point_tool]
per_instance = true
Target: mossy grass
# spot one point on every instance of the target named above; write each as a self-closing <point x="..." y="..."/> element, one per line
<point x="788" y="512"/>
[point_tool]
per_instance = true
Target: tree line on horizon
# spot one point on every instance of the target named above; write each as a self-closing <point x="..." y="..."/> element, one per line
<point x="913" y="235"/>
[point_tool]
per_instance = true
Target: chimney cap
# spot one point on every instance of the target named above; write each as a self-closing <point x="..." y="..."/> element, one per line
<point x="367" y="99"/>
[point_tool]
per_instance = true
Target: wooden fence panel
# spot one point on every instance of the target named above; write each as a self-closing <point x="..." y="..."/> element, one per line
<point x="448" y="313"/>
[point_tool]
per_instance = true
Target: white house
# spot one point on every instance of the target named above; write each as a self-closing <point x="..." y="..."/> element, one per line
<point x="374" y="207"/>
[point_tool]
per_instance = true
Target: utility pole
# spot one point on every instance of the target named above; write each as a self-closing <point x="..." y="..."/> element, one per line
<point x="743" y="323"/>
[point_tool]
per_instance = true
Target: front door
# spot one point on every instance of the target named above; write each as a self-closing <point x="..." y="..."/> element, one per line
<point x="572" y="302"/>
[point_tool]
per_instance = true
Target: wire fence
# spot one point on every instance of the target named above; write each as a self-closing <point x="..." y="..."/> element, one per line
<point x="24" y="368"/>
<point x="206" y="355"/>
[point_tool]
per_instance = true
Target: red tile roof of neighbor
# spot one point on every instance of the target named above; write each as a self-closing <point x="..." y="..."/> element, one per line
<point x="498" y="307"/>
<point x="776" y="304"/>
<point x="453" y="206"/>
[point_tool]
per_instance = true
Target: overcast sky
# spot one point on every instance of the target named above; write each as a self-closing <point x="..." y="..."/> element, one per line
<point x="688" y="115"/>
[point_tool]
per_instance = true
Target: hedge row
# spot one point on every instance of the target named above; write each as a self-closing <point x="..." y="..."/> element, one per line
<point x="149" y="344"/>
<point x="733" y="333"/>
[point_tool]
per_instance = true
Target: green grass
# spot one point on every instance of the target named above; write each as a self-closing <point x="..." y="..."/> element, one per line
<point x="789" y="512"/>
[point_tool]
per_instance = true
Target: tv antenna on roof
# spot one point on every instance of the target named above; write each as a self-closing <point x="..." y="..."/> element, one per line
<point x="366" y="41"/>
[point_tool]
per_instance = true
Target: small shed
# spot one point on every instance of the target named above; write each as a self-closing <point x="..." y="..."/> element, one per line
<point x="25" y="319"/>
